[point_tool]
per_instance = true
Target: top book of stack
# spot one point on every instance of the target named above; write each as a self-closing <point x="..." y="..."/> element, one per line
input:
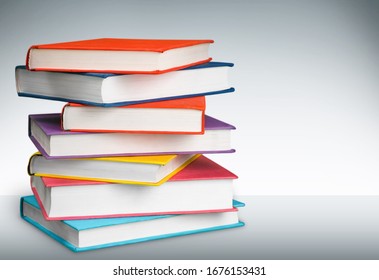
<point x="99" y="72"/>
<point x="118" y="55"/>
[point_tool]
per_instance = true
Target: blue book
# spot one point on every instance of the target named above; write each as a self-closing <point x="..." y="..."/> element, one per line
<point x="107" y="90"/>
<point x="90" y="234"/>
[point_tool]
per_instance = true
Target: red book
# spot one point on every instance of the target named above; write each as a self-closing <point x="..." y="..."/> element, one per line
<point x="202" y="186"/>
<point x="177" y="116"/>
<point x="118" y="55"/>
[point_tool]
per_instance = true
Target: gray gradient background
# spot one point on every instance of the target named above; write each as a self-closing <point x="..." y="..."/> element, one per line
<point x="306" y="78"/>
<point x="305" y="107"/>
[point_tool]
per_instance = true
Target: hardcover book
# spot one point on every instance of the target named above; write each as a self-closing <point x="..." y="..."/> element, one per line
<point x="106" y="90"/>
<point x="143" y="170"/>
<point x="90" y="234"/>
<point x="53" y="142"/>
<point x="185" y="115"/>
<point x="118" y="55"/>
<point x="202" y="186"/>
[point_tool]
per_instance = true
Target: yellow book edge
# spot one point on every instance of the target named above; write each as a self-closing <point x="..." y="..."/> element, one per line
<point x="165" y="179"/>
<point x="146" y="159"/>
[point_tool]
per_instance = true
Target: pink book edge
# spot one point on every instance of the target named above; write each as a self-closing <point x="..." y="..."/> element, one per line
<point x="45" y="215"/>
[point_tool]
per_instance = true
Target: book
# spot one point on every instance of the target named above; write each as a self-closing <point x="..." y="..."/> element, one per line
<point x="53" y="142"/>
<point x="106" y="90"/>
<point x="184" y="115"/>
<point x="202" y="186"/>
<point x="90" y="234"/>
<point x="143" y="170"/>
<point x="118" y="55"/>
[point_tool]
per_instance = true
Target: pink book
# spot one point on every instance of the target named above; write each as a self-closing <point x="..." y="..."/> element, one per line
<point x="203" y="186"/>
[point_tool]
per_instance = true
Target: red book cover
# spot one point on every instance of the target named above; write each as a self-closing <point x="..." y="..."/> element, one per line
<point x="197" y="103"/>
<point x="118" y="45"/>
<point x="203" y="168"/>
<point x="123" y="44"/>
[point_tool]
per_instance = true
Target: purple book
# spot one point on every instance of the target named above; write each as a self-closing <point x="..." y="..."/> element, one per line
<point x="53" y="142"/>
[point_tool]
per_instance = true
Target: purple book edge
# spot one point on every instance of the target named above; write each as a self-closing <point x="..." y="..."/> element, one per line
<point x="51" y="125"/>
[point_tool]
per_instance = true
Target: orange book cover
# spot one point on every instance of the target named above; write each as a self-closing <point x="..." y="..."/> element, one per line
<point x="123" y="44"/>
<point x="120" y="44"/>
<point x="194" y="103"/>
<point x="197" y="102"/>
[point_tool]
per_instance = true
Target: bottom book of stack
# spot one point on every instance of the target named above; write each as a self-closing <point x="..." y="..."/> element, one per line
<point x="89" y="234"/>
<point x="85" y="215"/>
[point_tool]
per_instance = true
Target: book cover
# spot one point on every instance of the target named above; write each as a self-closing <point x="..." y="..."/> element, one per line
<point x="50" y="126"/>
<point x="197" y="103"/>
<point x="122" y="44"/>
<point x="115" y="46"/>
<point x="147" y="228"/>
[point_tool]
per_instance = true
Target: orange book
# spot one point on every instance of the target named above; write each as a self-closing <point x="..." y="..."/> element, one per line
<point x="118" y="55"/>
<point x="177" y="116"/>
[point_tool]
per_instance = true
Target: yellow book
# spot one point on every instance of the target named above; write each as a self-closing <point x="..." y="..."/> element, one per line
<point x="141" y="170"/>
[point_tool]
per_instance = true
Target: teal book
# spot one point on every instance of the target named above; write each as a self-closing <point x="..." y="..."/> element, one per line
<point x="90" y="234"/>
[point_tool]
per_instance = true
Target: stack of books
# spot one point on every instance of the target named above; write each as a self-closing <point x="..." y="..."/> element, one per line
<point x="124" y="160"/>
